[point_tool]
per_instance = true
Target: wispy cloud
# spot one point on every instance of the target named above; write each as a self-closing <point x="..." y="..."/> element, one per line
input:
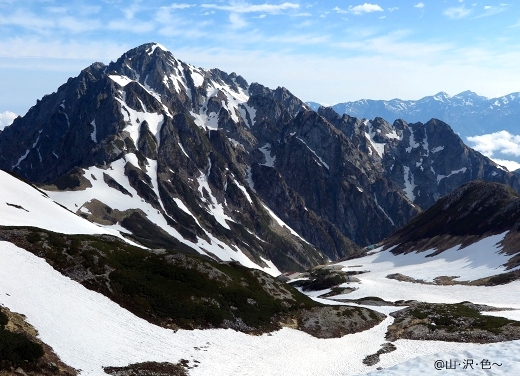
<point x="6" y="118"/>
<point x="419" y="5"/>
<point x="457" y="12"/>
<point x="253" y="8"/>
<point x="43" y="25"/>
<point x="36" y="48"/>
<point x="236" y="21"/>
<point x="131" y="25"/>
<point x="393" y="9"/>
<point x="499" y="142"/>
<point x="491" y="10"/>
<point x="181" y="6"/>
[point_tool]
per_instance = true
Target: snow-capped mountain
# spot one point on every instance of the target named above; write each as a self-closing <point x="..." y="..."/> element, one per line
<point x="199" y="160"/>
<point x="186" y="157"/>
<point x="428" y="161"/>
<point x="468" y="113"/>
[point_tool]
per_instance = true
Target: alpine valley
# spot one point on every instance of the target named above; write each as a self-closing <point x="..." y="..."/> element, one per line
<point x="149" y="209"/>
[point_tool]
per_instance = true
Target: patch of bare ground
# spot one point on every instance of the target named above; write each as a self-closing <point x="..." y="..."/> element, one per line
<point x="333" y="321"/>
<point x="326" y="277"/>
<point x="48" y="364"/>
<point x="372" y="359"/>
<point x="149" y="369"/>
<point x="460" y="322"/>
<point x="369" y="300"/>
<point x="338" y="291"/>
<point x="498" y="279"/>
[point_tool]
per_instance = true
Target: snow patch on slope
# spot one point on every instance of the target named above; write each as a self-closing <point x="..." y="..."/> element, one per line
<point x="23" y="205"/>
<point x="57" y="306"/>
<point x="266" y="151"/>
<point x="409" y="183"/>
<point x="321" y="162"/>
<point x="117" y="200"/>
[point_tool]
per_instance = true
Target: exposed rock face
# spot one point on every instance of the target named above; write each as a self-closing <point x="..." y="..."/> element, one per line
<point x="427" y="161"/>
<point x="200" y="159"/>
<point x="476" y="210"/>
<point x="451" y="322"/>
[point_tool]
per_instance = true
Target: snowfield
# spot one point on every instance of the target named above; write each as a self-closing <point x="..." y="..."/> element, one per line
<point x="23" y="205"/>
<point x="117" y="200"/>
<point x="89" y="331"/>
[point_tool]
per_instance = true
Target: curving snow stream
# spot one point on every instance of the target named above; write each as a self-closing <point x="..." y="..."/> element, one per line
<point x="89" y="331"/>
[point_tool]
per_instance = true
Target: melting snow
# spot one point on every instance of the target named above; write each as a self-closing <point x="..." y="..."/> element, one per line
<point x="214" y="207"/>
<point x="39" y="210"/>
<point x="93" y="134"/>
<point x="282" y="223"/>
<point x="266" y="150"/>
<point x="134" y="118"/>
<point x="316" y="155"/>
<point x="57" y="306"/>
<point x="412" y="144"/>
<point x="244" y="191"/>
<point x="440" y="177"/>
<point x="120" y="80"/>
<point x="378" y="147"/>
<point x="197" y="77"/>
<point x="117" y="200"/>
<point x="409" y="183"/>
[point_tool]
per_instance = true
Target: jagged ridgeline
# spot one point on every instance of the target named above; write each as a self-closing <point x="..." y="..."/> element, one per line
<point x="199" y="160"/>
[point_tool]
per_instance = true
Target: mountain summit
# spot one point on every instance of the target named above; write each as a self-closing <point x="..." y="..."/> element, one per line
<point x="201" y="161"/>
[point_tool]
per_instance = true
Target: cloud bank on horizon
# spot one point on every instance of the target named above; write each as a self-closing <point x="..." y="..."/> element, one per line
<point x="6" y="118"/>
<point x="323" y="51"/>
<point x="498" y="146"/>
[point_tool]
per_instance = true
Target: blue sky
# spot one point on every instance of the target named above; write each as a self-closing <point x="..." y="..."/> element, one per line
<point x="323" y="51"/>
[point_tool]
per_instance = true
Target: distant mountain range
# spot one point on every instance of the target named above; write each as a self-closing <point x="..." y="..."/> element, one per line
<point x="468" y="114"/>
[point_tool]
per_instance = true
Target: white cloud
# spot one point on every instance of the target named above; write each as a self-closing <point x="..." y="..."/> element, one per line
<point x="181" y="6"/>
<point x="237" y="22"/>
<point x="510" y="165"/>
<point x="365" y="8"/>
<point x="457" y="12"/>
<point x="491" y="11"/>
<point x="44" y="25"/>
<point x="339" y="10"/>
<point x="499" y="142"/>
<point x="6" y="118"/>
<point x="131" y="25"/>
<point x="253" y="8"/>
<point x="419" y="5"/>
<point x="36" y="49"/>
<point x="392" y="9"/>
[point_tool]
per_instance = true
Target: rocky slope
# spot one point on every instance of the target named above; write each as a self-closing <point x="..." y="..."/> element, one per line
<point x="474" y="211"/>
<point x="427" y="161"/>
<point x="183" y="157"/>
<point x="176" y="155"/>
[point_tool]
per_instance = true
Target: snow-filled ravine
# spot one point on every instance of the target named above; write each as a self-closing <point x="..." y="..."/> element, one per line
<point x="88" y="331"/>
<point x="115" y="199"/>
